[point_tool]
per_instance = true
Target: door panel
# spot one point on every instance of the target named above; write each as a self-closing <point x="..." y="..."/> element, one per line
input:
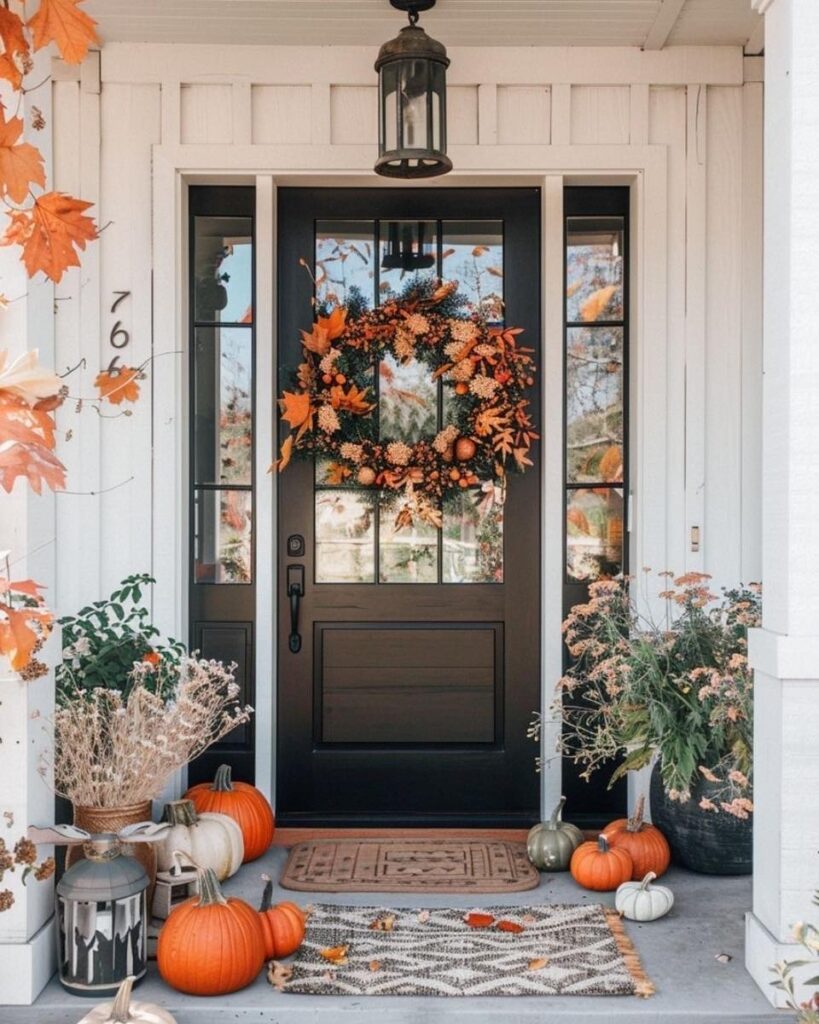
<point x="419" y="665"/>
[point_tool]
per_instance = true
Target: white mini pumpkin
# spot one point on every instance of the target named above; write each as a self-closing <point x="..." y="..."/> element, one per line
<point x="123" y="1011"/>
<point x="642" y="901"/>
<point x="210" y="840"/>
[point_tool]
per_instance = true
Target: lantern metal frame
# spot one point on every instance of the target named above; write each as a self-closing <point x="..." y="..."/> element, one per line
<point x="413" y="53"/>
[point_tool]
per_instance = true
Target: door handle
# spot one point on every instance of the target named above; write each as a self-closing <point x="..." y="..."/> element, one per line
<point x="295" y="591"/>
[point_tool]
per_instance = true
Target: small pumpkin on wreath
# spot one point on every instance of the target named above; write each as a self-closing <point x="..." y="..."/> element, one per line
<point x="486" y="373"/>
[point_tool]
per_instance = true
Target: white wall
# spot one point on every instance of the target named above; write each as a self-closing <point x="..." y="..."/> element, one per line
<point x="282" y="110"/>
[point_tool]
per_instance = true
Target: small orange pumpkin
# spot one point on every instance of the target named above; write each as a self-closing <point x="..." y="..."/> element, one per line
<point x="647" y="845"/>
<point x="242" y="802"/>
<point x="210" y="945"/>
<point x="283" y="925"/>
<point x="596" y="866"/>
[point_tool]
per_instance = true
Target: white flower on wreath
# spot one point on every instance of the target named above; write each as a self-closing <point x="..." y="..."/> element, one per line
<point x="399" y="453"/>
<point x="463" y="331"/>
<point x="328" y="419"/>
<point x="463" y="371"/>
<point x="445" y="438"/>
<point x="483" y="386"/>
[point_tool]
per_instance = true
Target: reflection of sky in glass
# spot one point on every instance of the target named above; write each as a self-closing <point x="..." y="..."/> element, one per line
<point x="594" y="269"/>
<point x="408" y="400"/>
<point x="239" y="266"/>
<point x="594" y="371"/>
<point x="473" y="256"/>
<point x="343" y="259"/>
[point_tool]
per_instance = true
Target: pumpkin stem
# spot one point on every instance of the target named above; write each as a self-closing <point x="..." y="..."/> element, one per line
<point x="602" y="843"/>
<point x="647" y="880"/>
<point x="121" y="1010"/>
<point x="180" y="812"/>
<point x="221" y="780"/>
<point x="267" y="895"/>
<point x="210" y="892"/>
<point x="635" y="822"/>
<point x="557" y="813"/>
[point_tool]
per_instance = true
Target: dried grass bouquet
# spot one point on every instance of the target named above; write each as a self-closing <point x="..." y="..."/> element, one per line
<point x="113" y="748"/>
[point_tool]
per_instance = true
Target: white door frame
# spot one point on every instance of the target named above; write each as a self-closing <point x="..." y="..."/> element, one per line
<point x="267" y="167"/>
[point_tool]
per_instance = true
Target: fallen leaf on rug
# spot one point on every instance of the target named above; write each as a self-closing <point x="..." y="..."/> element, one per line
<point x="336" y="955"/>
<point x="529" y="919"/>
<point x="383" y="924"/>
<point x="478" y="920"/>
<point x="279" y="974"/>
<point x="375" y="966"/>
<point x="537" y="964"/>
<point x="423" y="916"/>
<point x="510" y="926"/>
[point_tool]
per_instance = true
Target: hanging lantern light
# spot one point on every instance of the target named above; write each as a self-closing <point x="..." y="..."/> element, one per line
<point x="406" y="248"/>
<point x="412" y="101"/>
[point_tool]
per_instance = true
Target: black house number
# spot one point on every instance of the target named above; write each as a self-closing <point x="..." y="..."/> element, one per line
<point x="119" y="337"/>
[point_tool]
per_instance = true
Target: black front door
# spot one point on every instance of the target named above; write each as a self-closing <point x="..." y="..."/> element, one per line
<point x="419" y="667"/>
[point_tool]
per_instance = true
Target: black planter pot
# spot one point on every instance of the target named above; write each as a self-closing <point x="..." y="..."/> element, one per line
<point x="712" y="844"/>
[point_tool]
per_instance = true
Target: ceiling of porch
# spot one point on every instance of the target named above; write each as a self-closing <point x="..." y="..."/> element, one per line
<point x="647" y="23"/>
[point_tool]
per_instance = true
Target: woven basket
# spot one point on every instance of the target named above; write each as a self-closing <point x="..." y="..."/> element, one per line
<point x="112" y="819"/>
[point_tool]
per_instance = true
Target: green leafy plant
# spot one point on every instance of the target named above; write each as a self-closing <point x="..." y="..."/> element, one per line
<point x="103" y="641"/>
<point x="807" y="935"/>
<point x="680" y="687"/>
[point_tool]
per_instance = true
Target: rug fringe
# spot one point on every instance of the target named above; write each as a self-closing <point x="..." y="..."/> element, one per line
<point x="642" y="985"/>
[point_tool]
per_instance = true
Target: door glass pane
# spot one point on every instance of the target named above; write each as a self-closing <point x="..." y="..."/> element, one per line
<point x="594" y="404"/>
<point x="223" y="405"/>
<point x="594" y="269"/>
<point x="473" y="256"/>
<point x="408" y="253"/>
<point x="408" y="554"/>
<point x="594" y="533"/>
<point x="222" y="541"/>
<point x="223" y="269"/>
<point x="407" y="400"/>
<point x="344" y="259"/>
<point x="473" y="537"/>
<point x="345" y="536"/>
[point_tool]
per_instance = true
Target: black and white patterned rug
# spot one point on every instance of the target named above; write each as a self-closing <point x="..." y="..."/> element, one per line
<point x="542" y="950"/>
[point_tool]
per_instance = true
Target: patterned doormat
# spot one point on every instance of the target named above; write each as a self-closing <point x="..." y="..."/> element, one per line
<point x="408" y="865"/>
<point x="553" y="950"/>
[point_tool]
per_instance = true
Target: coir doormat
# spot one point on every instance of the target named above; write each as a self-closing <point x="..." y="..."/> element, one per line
<point x="408" y="865"/>
<point x="532" y="951"/>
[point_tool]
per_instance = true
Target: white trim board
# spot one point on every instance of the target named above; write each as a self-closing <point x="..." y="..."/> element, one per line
<point x="643" y="167"/>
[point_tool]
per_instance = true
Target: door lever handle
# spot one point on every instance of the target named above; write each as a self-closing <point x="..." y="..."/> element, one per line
<point x="295" y="591"/>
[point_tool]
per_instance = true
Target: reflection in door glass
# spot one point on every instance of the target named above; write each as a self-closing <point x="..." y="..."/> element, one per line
<point x="223" y="269"/>
<point x="594" y="404"/>
<point x="594" y="533"/>
<point x="473" y="536"/>
<point x="345" y="536"/>
<point x="407" y="400"/>
<point x="408" y="254"/>
<point x="344" y="263"/>
<point x="223" y="408"/>
<point x="222" y="541"/>
<point x="406" y="555"/>
<point x="473" y="256"/>
<point x="594" y="269"/>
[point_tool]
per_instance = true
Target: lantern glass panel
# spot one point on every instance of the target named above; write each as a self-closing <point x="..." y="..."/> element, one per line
<point x="414" y="87"/>
<point x="389" y="107"/>
<point x="438" y="105"/>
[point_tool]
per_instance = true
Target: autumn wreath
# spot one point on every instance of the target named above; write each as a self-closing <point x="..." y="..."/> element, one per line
<point x="332" y="409"/>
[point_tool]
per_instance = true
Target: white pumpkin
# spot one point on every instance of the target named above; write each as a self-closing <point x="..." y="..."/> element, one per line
<point x="123" y="1011"/>
<point x="642" y="901"/>
<point x="210" y="840"/>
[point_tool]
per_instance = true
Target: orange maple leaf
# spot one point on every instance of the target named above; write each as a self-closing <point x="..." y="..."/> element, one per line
<point x="297" y="410"/>
<point x="334" y="323"/>
<point x="21" y="164"/>
<point x="34" y="462"/>
<point x="596" y="303"/>
<point x="337" y="473"/>
<point x="119" y="384"/>
<point x="354" y="400"/>
<point x="62" y="22"/>
<point x="317" y="340"/>
<point x="15" y="47"/>
<point x="285" y="455"/>
<point x="50" y="233"/>
<point x="18" y="638"/>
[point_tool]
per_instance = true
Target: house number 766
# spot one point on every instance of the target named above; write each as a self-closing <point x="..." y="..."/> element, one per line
<point x="119" y="337"/>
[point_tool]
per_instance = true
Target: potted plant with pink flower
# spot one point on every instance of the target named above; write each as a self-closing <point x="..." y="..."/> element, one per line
<point x="673" y="688"/>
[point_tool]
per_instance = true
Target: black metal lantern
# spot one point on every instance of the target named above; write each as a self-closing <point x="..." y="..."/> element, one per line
<point x="412" y="101"/>
<point x="406" y="247"/>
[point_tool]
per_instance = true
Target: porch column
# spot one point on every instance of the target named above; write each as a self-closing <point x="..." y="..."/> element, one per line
<point x="785" y="651"/>
<point x="27" y="943"/>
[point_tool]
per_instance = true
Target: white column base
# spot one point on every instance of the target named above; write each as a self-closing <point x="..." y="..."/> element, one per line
<point x="762" y="951"/>
<point x="27" y="967"/>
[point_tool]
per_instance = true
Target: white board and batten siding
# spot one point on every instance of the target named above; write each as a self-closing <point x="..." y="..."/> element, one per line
<point x="683" y="124"/>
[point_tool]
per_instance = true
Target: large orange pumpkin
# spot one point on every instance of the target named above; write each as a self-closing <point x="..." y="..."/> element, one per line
<point x="596" y="866"/>
<point x="242" y="802"/>
<point x="210" y="945"/>
<point x="283" y="925"/>
<point x="647" y="845"/>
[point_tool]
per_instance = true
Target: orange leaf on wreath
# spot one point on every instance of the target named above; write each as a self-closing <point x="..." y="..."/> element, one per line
<point x="285" y="455"/>
<point x="15" y="47"/>
<point x="334" y="323"/>
<point x="21" y="164"/>
<point x="119" y="385"/>
<point x="62" y="22"/>
<point x="297" y="410"/>
<point x="354" y="400"/>
<point x="336" y="473"/>
<point x="317" y="340"/>
<point x="50" y="233"/>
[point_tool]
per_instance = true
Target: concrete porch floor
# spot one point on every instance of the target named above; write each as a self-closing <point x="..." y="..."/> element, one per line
<point x="678" y="953"/>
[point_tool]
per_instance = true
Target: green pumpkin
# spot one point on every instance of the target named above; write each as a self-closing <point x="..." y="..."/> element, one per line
<point x="550" y="844"/>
